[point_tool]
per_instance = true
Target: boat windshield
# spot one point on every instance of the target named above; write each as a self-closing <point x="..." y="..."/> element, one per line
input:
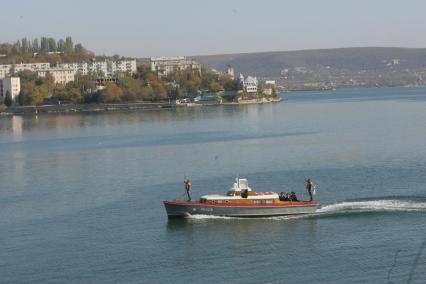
<point x="243" y="183"/>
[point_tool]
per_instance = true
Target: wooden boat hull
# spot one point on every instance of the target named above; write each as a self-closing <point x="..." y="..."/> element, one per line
<point x="185" y="209"/>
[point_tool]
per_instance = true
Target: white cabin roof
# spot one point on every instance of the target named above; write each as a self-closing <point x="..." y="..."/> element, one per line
<point x="240" y="185"/>
<point x="226" y="197"/>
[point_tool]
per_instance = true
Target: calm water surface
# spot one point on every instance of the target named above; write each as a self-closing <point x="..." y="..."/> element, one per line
<point x="80" y="194"/>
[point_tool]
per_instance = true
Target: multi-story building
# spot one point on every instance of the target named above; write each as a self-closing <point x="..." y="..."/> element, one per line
<point x="81" y="68"/>
<point x="123" y="66"/>
<point x="7" y="69"/>
<point x="60" y="75"/>
<point x="65" y="72"/>
<point x="11" y="85"/>
<point x="269" y="87"/>
<point x="108" y="68"/>
<point x="230" y="72"/>
<point x="249" y="83"/>
<point x="4" y="70"/>
<point x="164" y="66"/>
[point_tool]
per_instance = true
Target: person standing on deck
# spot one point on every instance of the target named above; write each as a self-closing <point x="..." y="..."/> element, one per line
<point x="309" y="188"/>
<point x="188" y="186"/>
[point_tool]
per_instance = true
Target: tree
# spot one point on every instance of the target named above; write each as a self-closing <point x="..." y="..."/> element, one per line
<point x="215" y="86"/>
<point x="147" y="93"/>
<point x="60" y="93"/>
<point x="24" y="47"/>
<point x="75" y="95"/>
<point x="52" y="44"/>
<point x="61" y="45"/>
<point x="111" y="94"/>
<point x="132" y="88"/>
<point x="36" y="47"/>
<point x="157" y="87"/>
<point x="33" y="92"/>
<point x="44" y="44"/>
<point x="8" y="99"/>
<point x="69" y="45"/>
<point x="159" y="90"/>
<point x="39" y="93"/>
<point x="229" y="84"/>
<point x="78" y="48"/>
<point x="27" y="75"/>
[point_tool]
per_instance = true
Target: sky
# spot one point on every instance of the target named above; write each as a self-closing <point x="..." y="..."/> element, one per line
<point x="200" y="27"/>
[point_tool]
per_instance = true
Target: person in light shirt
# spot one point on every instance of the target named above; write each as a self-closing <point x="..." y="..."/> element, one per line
<point x="188" y="186"/>
<point x="309" y="188"/>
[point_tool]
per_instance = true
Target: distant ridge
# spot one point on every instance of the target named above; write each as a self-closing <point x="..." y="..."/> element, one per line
<point x="330" y="68"/>
<point x="270" y="64"/>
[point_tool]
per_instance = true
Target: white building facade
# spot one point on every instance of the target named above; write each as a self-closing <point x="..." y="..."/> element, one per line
<point x="11" y="85"/>
<point x="8" y="69"/>
<point x="165" y="66"/>
<point x="60" y="75"/>
<point x="65" y="72"/>
<point x="108" y="68"/>
<point x="249" y="84"/>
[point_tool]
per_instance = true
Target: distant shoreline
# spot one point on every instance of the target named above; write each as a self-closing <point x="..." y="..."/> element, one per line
<point x="86" y="108"/>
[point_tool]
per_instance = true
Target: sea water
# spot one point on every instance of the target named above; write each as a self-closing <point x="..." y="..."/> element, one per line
<point x="81" y="194"/>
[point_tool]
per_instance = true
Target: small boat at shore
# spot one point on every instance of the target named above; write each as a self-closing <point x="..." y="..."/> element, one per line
<point x="241" y="201"/>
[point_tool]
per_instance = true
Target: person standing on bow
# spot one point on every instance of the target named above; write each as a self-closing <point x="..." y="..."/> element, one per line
<point x="309" y="187"/>
<point x="188" y="186"/>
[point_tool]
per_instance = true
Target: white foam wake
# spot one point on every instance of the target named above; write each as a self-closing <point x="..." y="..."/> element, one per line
<point x="373" y="206"/>
<point x="384" y="205"/>
<point x="204" y="217"/>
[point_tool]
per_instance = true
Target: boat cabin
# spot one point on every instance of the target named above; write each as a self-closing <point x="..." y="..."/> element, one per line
<point x="241" y="194"/>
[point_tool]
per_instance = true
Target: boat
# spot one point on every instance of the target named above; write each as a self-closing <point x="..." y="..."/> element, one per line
<point x="241" y="201"/>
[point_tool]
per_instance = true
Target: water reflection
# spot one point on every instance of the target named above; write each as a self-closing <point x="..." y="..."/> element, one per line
<point x="17" y="123"/>
<point x="240" y="228"/>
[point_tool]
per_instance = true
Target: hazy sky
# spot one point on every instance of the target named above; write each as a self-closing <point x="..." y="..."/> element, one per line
<point x="195" y="27"/>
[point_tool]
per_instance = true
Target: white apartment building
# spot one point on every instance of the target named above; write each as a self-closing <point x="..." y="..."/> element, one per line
<point x="11" y="85"/>
<point x="7" y="69"/>
<point x="108" y="68"/>
<point x="60" y="75"/>
<point x="63" y="72"/>
<point x="249" y="83"/>
<point x="4" y="70"/>
<point x="81" y="68"/>
<point x="124" y="66"/>
<point x="164" y="66"/>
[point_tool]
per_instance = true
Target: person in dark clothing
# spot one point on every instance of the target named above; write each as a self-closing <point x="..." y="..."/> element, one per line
<point x="309" y="188"/>
<point x="188" y="186"/>
<point x="293" y="196"/>
<point x="244" y="193"/>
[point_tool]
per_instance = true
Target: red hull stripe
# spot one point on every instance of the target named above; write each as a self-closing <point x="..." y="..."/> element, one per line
<point x="298" y="204"/>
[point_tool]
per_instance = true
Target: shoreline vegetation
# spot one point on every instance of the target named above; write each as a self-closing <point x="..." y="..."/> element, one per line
<point x="96" y="90"/>
<point x="119" y="107"/>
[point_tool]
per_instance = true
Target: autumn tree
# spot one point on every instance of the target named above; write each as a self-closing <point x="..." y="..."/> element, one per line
<point x="75" y="95"/>
<point x="132" y="88"/>
<point x="157" y="87"/>
<point x="229" y="84"/>
<point x="215" y="86"/>
<point x="147" y="93"/>
<point x="60" y="93"/>
<point x="111" y="94"/>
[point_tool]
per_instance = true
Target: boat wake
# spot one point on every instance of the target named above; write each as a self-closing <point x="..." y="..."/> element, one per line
<point x="397" y="204"/>
<point x="384" y="205"/>
<point x="206" y="217"/>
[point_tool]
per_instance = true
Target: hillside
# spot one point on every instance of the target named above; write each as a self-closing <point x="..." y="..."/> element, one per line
<point x="364" y="66"/>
